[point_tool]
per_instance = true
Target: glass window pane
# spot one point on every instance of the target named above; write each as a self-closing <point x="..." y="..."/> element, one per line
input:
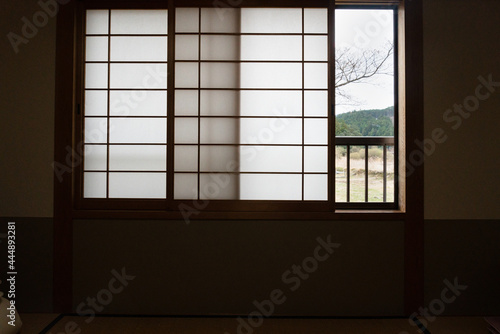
<point x="287" y="187"/>
<point x="316" y="75"/>
<point x="375" y="174"/>
<point x="138" y="130"/>
<point x="139" y="76"/>
<point x="220" y="103"/>
<point x="219" y="158"/>
<point x="214" y="47"/>
<point x="271" y="159"/>
<point x="186" y="75"/>
<point x="95" y="157"/>
<point x="271" y="103"/>
<point x="316" y="159"/>
<point x="218" y="186"/>
<point x="316" y="187"/>
<point x="220" y="20"/>
<point x="316" y="103"/>
<point x="187" y="20"/>
<point x="271" y="48"/>
<point x="186" y="102"/>
<point x="137" y="157"/>
<point x="96" y="103"/>
<point x="186" y="158"/>
<point x="316" y="131"/>
<point x="94" y="185"/>
<point x="97" y="22"/>
<point x="186" y="47"/>
<point x="185" y="186"/>
<point x="341" y="173"/>
<point x="219" y="130"/>
<point x="139" y="48"/>
<point x="138" y="103"/>
<point x="186" y="130"/>
<point x="271" y="131"/>
<point x="96" y="130"/>
<point x="96" y="49"/>
<point x="271" y="20"/>
<point x="137" y="185"/>
<point x="316" y="48"/>
<point x="219" y="75"/>
<point x="271" y="75"/>
<point x="96" y="76"/>
<point x="316" y="20"/>
<point x="137" y="22"/>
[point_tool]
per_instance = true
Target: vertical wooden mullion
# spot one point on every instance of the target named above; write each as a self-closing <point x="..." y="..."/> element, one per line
<point x="303" y="104"/>
<point x="331" y="112"/>
<point x="109" y="103"/>
<point x="199" y="102"/>
<point x="170" y="103"/>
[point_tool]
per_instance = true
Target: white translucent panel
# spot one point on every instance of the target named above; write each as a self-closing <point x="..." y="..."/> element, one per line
<point x="219" y="186"/>
<point x="137" y="157"/>
<point x="316" y="187"/>
<point x="316" y="75"/>
<point x="219" y="158"/>
<point x="94" y="185"/>
<point x="271" y="159"/>
<point x="316" y="20"/>
<point x="271" y="131"/>
<point x="96" y="130"/>
<point x="220" y="75"/>
<point x="187" y="20"/>
<point x="219" y="103"/>
<point x="96" y="103"/>
<point x="138" y="130"/>
<point x="271" y="187"/>
<point x="139" y="76"/>
<point x="271" y="103"/>
<point x="271" y="75"/>
<point x="186" y="130"/>
<point x="219" y="130"/>
<point x="97" y="22"/>
<point x="271" y="48"/>
<point x="316" y="103"/>
<point x="185" y="186"/>
<point x="139" y="48"/>
<point x="138" y="103"/>
<point x="186" y="158"/>
<point x="316" y="131"/>
<point x="220" y="47"/>
<point x="96" y="49"/>
<point x="316" y="48"/>
<point x="186" y="75"/>
<point x="271" y="20"/>
<point x="316" y="159"/>
<point x="137" y="22"/>
<point x="220" y="20"/>
<point x="95" y="157"/>
<point x="96" y="76"/>
<point x="186" y="102"/>
<point x="186" y="47"/>
<point x="137" y="185"/>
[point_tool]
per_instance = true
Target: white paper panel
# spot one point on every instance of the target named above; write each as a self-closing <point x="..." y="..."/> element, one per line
<point x="271" y="131"/>
<point x="185" y="186"/>
<point x="138" y="130"/>
<point x="316" y="187"/>
<point x="96" y="103"/>
<point x="186" y="102"/>
<point x="138" y="103"/>
<point x="218" y="186"/>
<point x="219" y="75"/>
<point x="95" y="157"/>
<point x="271" y="186"/>
<point x="271" y="103"/>
<point x="139" y="48"/>
<point x="137" y="158"/>
<point x="220" y="103"/>
<point x="186" y="47"/>
<point x="186" y="75"/>
<point x="186" y="130"/>
<point x="316" y="48"/>
<point x="316" y="103"/>
<point x="219" y="158"/>
<point x="186" y="158"/>
<point x="271" y="159"/>
<point x="271" y="75"/>
<point x="219" y="130"/>
<point x="316" y="159"/>
<point x="96" y="49"/>
<point x="96" y="130"/>
<point x="137" y="185"/>
<point x="316" y="75"/>
<point x="316" y="131"/>
<point x="215" y="47"/>
<point x="97" y="21"/>
<point x="220" y="20"/>
<point x="316" y="20"/>
<point x="94" y="185"/>
<point x="139" y="76"/>
<point x="137" y="22"/>
<point x="96" y="76"/>
<point x="271" y="20"/>
<point x="271" y="48"/>
<point x="187" y="20"/>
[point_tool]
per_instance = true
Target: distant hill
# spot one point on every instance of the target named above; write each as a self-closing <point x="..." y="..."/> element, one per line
<point x="375" y="122"/>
